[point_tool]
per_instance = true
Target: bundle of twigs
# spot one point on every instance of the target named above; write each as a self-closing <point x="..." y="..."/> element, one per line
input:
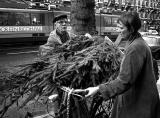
<point x="79" y="63"/>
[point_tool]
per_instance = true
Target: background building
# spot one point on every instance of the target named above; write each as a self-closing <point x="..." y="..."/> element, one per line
<point x="149" y="10"/>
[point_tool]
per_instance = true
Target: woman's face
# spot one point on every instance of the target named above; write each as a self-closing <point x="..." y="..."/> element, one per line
<point x="123" y="29"/>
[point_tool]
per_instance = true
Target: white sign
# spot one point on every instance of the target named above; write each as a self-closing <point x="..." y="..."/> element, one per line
<point x="20" y="28"/>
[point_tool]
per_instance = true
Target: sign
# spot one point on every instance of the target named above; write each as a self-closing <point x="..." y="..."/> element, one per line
<point x="20" y="28"/>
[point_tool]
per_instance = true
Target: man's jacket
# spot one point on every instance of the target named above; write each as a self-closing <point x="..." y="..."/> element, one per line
<point x="53" y="42"/>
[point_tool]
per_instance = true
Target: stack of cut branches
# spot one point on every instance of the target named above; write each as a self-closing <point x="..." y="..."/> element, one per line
<point x="79" y="63"/>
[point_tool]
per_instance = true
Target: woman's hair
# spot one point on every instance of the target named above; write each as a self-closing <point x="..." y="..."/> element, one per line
<point x="131" y="20"/>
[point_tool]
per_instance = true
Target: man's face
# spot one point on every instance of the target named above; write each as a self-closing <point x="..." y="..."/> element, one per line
<point x="123" y="29"/>
<point x="61" y="25"/>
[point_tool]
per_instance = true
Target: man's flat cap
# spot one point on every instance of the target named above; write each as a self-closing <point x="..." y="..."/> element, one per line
<point x="59" y="17"/>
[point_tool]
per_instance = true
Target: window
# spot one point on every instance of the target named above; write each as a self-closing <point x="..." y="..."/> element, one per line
<point x="13" y="19"/>
<point x="37" y="19"/>
<point x="114" y="21"/>
<point x="107" y="21"/>
<point x="21" y="19"/>
<point x="4" y="19"/>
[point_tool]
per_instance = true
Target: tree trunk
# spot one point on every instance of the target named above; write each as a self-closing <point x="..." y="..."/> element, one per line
<point x="83" y="16"/>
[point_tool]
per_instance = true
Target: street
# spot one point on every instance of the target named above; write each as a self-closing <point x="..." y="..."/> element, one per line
<point x="17" y="55"/>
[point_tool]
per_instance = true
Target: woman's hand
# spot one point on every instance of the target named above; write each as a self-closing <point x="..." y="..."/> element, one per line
<point x="92" y="91"/>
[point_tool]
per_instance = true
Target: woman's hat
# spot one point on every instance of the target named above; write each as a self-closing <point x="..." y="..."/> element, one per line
<point x="59" y="17"/>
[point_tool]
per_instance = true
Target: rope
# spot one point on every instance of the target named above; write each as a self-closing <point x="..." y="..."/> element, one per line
<point x="67" y="89"/>
<point x="68" y="102"/>
<point x="68" y="92"/>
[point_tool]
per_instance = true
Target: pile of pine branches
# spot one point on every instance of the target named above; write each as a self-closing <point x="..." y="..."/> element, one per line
<point x="79" y="63"/>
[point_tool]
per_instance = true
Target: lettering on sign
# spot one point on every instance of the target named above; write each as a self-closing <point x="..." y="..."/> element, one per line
<point x="20" y="28"/>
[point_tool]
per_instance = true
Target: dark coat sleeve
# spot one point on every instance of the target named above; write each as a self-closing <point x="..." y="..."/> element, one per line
<point x="131" y="66"/>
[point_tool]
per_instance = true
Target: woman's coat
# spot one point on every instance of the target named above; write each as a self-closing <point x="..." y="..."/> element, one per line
<point x="135" y="87"/>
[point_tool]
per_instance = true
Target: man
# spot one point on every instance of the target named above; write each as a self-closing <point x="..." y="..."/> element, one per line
<point x="58" y="36"/>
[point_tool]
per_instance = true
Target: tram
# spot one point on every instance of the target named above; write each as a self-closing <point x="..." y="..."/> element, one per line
<point x="106" y="25"/>
<point x="34" y="26"/>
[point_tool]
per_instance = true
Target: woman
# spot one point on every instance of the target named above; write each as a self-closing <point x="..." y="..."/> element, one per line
<point x="135" y="87"/>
